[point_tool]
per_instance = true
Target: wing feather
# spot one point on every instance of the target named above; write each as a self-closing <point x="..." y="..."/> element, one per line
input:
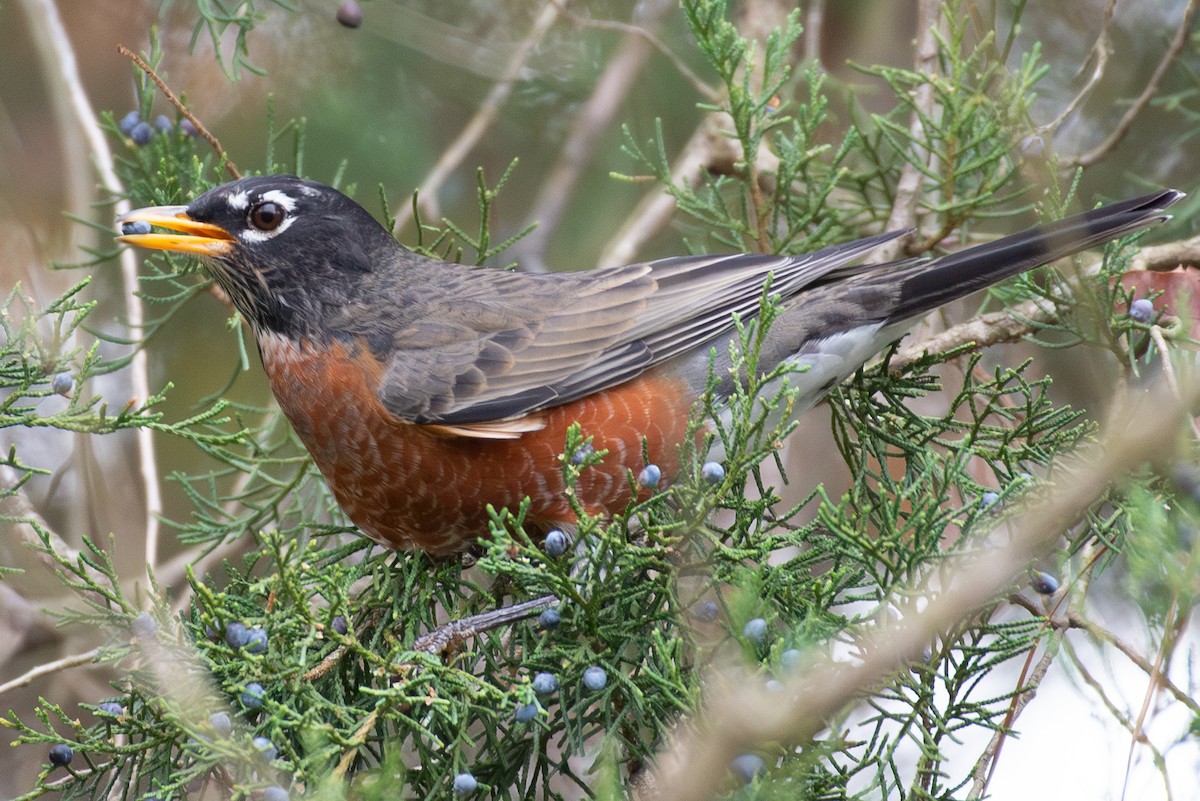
<point x="506" y="345"/>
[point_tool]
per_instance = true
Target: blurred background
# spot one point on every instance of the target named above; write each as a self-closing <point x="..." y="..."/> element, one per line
<point x="381" y="102"/>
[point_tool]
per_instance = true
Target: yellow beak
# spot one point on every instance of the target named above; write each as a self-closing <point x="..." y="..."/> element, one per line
<point x="200" y="238"/>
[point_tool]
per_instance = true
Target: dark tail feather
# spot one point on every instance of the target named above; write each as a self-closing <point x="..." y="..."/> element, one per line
<point x="959" y="274"/>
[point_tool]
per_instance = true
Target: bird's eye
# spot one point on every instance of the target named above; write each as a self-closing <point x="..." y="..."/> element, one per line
<point x="267" y="216"/>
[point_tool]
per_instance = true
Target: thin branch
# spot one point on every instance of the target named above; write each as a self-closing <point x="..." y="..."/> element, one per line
<point x="452" y="634"/>
<point x="46" y="668"/>
<point x="906" y="205"/>
<point x="986" y="766"/>
<point x="588" y="127"/>
<point x="1131" y="114"/>
<point x="1123" y="720"/>
<point x="982" y="331"/>
<point x="452" y="156"/>
<point x="699" y="84"/>
<point x="174" y="100"/>
<point x="1098" y="687"/>
<point x="1157" y="674"/>
<point x="1168" y="256"/>
<point x="70" y="82"/>
<point x="1075" y="620"/>
<point x="1100" y="52"/>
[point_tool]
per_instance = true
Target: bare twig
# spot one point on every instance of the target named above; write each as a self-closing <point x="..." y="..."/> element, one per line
<point x="1099" y="53"/>
<point x="1138" y="736"/>
<point x="1166" y="646"/>
<point x="589" y="125"/>
<point x="702" y="88"/>
<point x="1075" y="620"/>
<point x="985" y="768"/>
<point x="906" y="205"/>
<point x="46" y="668"/>
<point x="1131" y="114"/>
<point x="1168" y="256"/>
<point x="1091" y="681"/>
<point x="70" y="82"/>
<point x="986" y="765"/>
<point x="983" y="331"/>
<point x="174" y="100"/>
<point x="452" y="156"/>
<point x="453" y="633"/>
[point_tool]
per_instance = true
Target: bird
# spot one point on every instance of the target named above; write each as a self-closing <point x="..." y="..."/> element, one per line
<point x="427" y="391"/>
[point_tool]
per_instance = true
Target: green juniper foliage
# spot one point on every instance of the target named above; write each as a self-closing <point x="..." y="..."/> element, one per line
<point x="313" y="640"/>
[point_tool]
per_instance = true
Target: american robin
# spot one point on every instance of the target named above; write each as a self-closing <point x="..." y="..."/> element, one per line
<point x="426" y="391"/>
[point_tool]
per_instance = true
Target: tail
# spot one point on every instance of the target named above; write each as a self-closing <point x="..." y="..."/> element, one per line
<point x="932" y="284"/>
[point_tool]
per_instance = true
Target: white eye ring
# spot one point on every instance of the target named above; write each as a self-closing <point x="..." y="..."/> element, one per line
<point x="266" y="215"/>
<point x="269" y="215"/>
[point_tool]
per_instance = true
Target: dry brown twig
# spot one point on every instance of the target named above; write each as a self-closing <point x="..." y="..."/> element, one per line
<point x="985" y="766"/>
<point x="1148" y="92"/>
<point x="587" y="128"/>
<point x="910" y="186"/>
<point x="47" y="668"/>
<point x="1100" y="52"/>
<point x="174" y="100"/>
<point x="1168" y="256"/>
<point x="702" y="88"/>
<point x="480" y="122"/>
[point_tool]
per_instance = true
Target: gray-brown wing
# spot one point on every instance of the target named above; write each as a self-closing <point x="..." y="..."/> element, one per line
<point x="514" y="344"/>
<point x="500" y="343"/>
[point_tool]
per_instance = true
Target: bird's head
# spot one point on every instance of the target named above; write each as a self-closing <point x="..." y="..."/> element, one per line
<point x="282" y="248"/>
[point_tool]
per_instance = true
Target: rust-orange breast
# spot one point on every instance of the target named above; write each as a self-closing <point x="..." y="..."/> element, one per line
<point x="407" y="485"/>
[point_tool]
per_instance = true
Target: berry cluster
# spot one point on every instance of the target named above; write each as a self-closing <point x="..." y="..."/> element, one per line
<point x="141" y="132"/>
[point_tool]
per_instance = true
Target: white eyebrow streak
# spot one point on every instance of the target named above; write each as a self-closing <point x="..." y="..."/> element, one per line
<point x="282" y="198"/>
<point x="239" y="201"/>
